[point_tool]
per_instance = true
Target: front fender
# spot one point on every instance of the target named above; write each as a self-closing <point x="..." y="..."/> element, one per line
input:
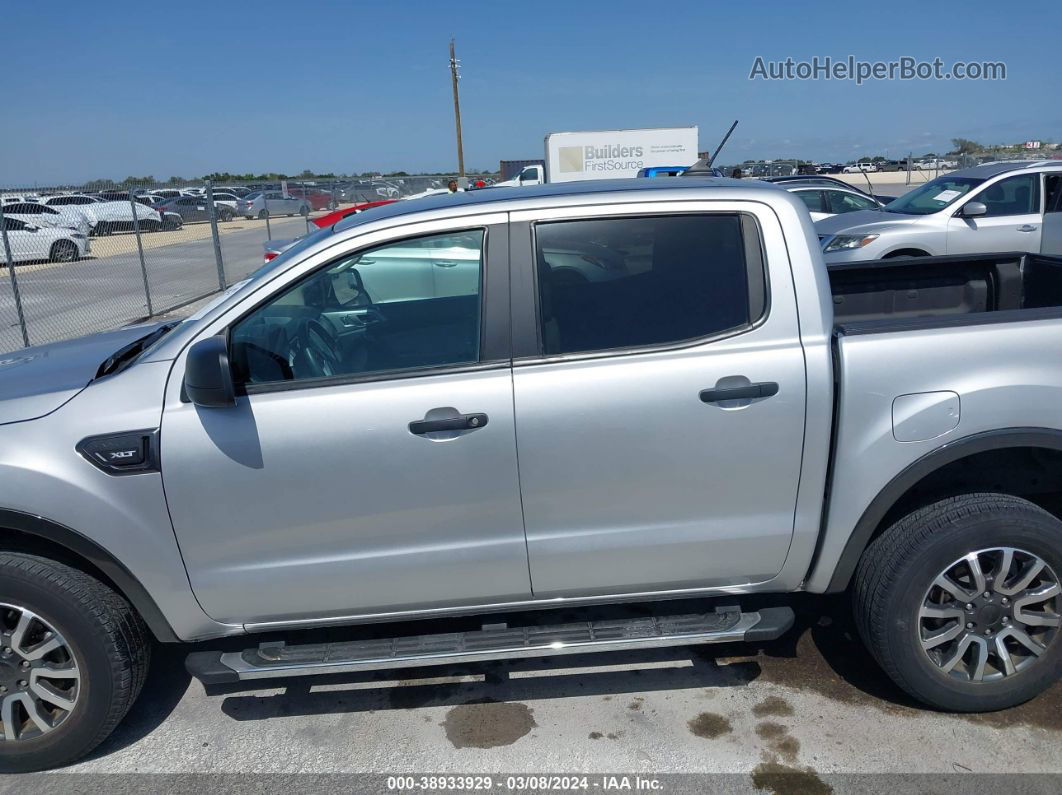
<point x="48" y="489"/>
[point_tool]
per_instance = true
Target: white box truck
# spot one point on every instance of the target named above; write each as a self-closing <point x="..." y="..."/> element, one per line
<point x="608" y="154"/>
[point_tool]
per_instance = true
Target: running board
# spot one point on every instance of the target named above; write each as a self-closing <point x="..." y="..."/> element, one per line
<point x="493" y="642"/>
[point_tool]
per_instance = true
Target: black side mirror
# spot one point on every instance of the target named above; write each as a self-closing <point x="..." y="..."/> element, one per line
<point x="207" y="377"/>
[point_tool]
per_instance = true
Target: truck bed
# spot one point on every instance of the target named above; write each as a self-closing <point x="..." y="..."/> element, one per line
<point x="889" y="295"/>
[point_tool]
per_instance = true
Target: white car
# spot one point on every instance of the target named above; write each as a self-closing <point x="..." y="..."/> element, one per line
<point x="856" y="168"/>
<point x="825" y="201"/>
<point x="30" y="242"/>
<point x="43" y="215"/>
<point x="108" y="216"/>
<point x="425" y="193"/>
<point x="223" y="199"/>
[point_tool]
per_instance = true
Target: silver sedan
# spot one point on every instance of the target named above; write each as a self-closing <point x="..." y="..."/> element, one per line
<point x="272" y="203"/>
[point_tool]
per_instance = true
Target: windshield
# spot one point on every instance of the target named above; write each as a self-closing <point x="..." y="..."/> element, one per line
<point x="932" y="196"/>
<point x="254" y="195"/>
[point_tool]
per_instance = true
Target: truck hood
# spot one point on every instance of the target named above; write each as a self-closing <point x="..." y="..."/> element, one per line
<point x="36" y="381"/>
<point x="863" y="222"/>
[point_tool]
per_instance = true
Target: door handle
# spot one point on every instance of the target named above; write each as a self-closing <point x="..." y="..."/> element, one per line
<point x="463" y="422"/>
<point x="1026" y="228"/>
<point x="764" y="389"/>
<point x="445" y="263"/>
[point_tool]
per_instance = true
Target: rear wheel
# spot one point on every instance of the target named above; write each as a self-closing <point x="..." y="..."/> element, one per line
<point x="226" y="215"/>
<point x="961" y="603"/>
<point x="73" y="658"/>
<point x="261" y="215"/>
<point x="63" y="251"/>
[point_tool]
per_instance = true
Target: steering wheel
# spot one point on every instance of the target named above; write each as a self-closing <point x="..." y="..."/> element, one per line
<point x="316" y="350"/>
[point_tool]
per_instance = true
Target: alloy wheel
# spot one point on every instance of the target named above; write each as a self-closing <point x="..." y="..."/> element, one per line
<point x="990" y="614"/>
<point x="40" y="680"/>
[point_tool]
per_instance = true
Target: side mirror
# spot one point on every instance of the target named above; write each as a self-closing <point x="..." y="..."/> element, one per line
<point x="973" y="209"/>
<point x="207" y="377"/>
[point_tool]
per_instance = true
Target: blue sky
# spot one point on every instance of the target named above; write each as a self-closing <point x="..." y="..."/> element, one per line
<point x="113" y="88"/>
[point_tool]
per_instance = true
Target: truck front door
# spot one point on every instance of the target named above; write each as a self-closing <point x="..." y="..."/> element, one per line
<point x="660" y="403"/>
<point x="341" y="482"/>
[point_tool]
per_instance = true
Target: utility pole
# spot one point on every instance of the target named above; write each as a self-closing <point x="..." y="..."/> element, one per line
<point x="454" y="76"/>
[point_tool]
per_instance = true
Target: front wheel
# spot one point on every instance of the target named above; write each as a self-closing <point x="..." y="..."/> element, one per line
<point x="73" y="658"/>
<point x="63" y="251"/>
<point x="960" y="602"/>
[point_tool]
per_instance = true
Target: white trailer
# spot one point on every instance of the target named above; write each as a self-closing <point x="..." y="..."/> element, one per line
<point x="608" y="154"/>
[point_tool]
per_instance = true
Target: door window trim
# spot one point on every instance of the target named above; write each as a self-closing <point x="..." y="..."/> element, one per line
<point x="527" y="344"/>
<point x="1045" y="176"/>
<point x="494" y="350"/>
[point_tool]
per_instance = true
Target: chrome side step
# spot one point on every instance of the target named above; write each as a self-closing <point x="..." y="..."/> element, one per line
<point x="497" y="642"/>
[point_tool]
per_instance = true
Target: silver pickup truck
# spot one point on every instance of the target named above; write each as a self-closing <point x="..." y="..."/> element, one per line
<point x="356" y="435"/>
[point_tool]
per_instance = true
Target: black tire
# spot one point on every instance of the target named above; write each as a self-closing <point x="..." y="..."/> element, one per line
<point x="226" y="215"/>
<point x="63" y="251"/>
<point x="897" y="570"/>
<point x="304" y="211"/>
<point x="108" y="640"/>
<point x="261" y="215"/>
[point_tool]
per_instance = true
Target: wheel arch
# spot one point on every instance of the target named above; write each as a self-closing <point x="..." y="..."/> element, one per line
<point x="898" y="491"/>
<point x="25" y="532"/>
<point x="907" y="251"/>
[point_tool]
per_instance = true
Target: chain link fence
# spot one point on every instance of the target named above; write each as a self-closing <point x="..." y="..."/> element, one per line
<point x="79" y="261"/>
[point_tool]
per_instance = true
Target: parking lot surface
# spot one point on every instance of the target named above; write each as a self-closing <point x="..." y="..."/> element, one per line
<point x="784" y="717"/>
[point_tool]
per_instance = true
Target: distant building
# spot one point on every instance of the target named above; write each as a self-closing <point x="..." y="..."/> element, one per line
<point x="1032" y="144"/>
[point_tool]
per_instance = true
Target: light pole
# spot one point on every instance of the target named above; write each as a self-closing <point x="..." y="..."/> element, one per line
<point x="454" y="77"/>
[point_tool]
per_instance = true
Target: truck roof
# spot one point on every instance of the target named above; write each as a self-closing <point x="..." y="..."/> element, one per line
<point x="498" y="198"/>
<point x="986" y="170"/>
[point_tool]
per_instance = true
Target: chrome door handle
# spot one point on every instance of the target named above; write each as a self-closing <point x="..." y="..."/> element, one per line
<point x="445" y="263"/>
<point x="1027" y="228"/>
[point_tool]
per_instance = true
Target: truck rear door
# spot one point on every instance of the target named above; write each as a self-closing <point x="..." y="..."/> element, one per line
<point x="660" y="397"/>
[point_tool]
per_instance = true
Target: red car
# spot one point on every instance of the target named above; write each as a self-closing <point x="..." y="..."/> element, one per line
<point x="274" y="248"/>
<point x="318" y="198"/>
<point x="339" y="215"/>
